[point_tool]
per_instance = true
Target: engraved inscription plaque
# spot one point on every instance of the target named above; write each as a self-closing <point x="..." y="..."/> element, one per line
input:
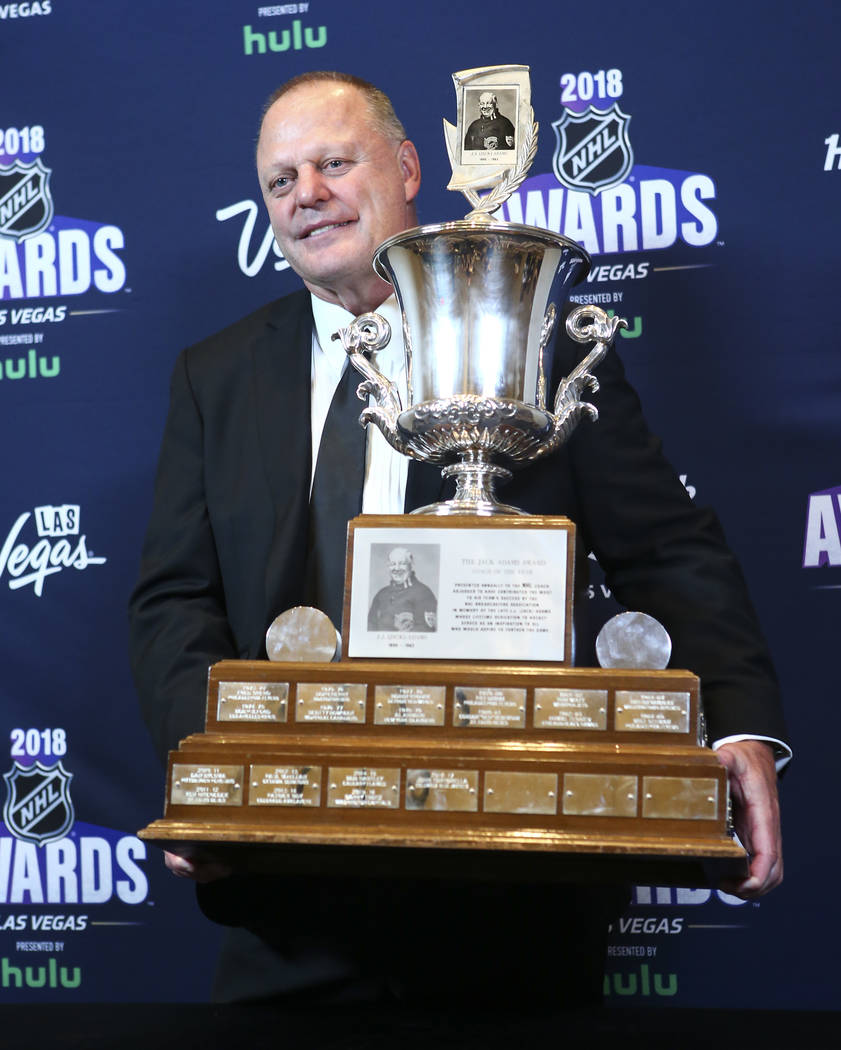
<point x="284" y="786"/>
<point x="363" y="788"/>
<point x="409" y="705"/>
<point x="600" y="795"/>
<point x="501" y="586"/>
<point x="455" y="790"/>
<point x="648" y="712"/>
<point x="252" y="701"/>
<point x="488" y="707"/>
<point x="521" y="792"/>
<point x="331" y="702"/>
<point x="570" y="709"/>
<point x="681" y="798"/>
<point x="206" y="785"/>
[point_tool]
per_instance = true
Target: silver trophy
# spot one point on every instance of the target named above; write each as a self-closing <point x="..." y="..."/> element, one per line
<point x="479" y="299"/>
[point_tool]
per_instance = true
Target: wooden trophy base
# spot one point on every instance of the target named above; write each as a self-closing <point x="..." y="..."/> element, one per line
<point x="460" y="770"/>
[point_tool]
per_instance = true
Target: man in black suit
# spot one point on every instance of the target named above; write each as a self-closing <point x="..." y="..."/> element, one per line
<point x="227" y="549"/>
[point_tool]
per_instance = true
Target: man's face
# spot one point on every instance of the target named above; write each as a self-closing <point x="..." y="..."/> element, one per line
<point x="399" y="566"/>
<point x="487" y="105"/>
<point x="335" y="188"/>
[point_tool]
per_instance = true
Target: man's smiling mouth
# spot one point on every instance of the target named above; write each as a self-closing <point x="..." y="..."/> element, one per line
<point x="325" y="229"/>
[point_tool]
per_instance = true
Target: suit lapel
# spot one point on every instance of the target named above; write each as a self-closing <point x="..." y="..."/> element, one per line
<point x="281" y="357"/>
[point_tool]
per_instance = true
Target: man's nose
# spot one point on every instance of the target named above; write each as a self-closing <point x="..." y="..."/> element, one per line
<point x="311" y="186"/>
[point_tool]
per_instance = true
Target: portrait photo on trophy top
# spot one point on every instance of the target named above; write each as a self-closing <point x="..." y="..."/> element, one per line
<point x="416" y="789"/>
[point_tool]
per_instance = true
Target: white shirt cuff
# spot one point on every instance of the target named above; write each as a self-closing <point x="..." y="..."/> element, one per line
<point x="782" y="752"/>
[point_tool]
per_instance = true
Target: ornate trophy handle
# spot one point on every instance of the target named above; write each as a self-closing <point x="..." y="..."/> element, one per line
<point x="584" y="324"/>
<point x="364" y="335"/>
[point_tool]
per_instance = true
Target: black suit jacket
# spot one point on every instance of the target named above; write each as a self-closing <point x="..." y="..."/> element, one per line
<point x="225" y="550"/>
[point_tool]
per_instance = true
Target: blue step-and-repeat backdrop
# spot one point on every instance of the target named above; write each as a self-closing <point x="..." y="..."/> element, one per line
<point x="130" y="226"/>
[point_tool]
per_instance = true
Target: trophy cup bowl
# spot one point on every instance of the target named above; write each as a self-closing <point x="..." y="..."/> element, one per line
<point x="475" y="299"/>
<point x="479" y="302"/>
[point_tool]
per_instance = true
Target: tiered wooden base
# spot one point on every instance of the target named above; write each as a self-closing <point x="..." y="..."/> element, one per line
<point x="453" y="769"/>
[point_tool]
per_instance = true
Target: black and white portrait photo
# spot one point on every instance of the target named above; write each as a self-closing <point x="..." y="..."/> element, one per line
<point x="403" y="599"/>
<point x="489" y="131"/>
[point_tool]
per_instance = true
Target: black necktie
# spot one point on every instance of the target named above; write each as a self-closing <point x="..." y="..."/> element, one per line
<point x="336" y="496"/>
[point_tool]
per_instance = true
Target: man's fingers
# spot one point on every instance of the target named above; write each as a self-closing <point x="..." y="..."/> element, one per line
<point x="197" y="866"/>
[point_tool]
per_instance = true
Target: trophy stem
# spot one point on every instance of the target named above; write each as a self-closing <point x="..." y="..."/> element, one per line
<point x="475" y="480"/>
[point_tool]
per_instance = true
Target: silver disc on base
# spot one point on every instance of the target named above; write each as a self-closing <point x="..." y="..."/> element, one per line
<point x="635" y="640"/>
<point x="303" y="634"/>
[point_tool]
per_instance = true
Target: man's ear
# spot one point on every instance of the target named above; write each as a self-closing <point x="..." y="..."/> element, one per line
<point x="407" y="158"/>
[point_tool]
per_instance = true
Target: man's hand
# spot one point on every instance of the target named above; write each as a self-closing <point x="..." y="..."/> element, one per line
<point x="756" y="814"/>
<point x="195" y="863"/>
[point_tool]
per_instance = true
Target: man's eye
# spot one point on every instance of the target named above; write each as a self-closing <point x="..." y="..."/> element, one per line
<point x="335" y="164"/>
<point x="280" y="183"/>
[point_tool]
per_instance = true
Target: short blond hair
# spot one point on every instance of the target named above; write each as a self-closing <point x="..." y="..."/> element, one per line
<point x="379" y="104"/>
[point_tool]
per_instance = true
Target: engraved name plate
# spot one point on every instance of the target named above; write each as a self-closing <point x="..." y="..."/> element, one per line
<point x="252" y="701"/>
<point x="639" y="712"/>
<point x="331" y="702"/>
<point x="354" y="788"/>
<point x="600" y="794"/>
<point x="454" y="790"/>
<point x="521" y="792"/>
<point x="681" y="798"/>
<point x="488" y="707"/>
<point x="285" y="786"/>
<point x="195" y="785"/>
<point x="570" y="709"/>
<point x="409" y="705"/>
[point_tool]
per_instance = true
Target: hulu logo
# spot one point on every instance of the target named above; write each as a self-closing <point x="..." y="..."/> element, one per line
<point x="295" y="39"/>
<point x="30" y="367"/>
<point x="50" y="976"/>
<point x="645" y="983"/>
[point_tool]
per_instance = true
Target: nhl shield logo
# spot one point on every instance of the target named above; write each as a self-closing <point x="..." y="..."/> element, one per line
<point x="26" y="203"/>
<point x="38" y="806"/>
<point x="593" y="150"/>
